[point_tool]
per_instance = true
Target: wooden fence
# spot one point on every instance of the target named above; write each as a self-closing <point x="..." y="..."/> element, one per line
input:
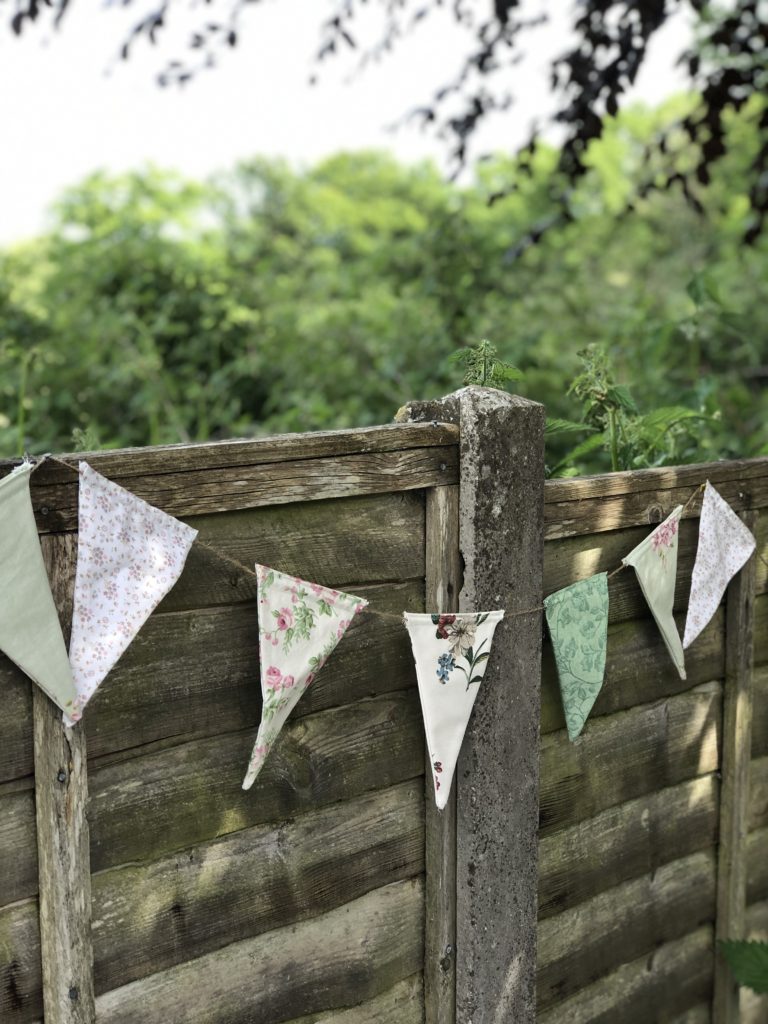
<point x="333" y="891"/>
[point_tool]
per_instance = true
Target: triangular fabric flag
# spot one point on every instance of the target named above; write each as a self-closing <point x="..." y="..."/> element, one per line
<point x="30" y="631"/>
<point x="129" y="556"/>
<point x="300" y="624"/>
<point x="451" y="654"/>
<point x="725" y="544"/>
<point x="577" y="617"/>
<point x="655" y="562"/>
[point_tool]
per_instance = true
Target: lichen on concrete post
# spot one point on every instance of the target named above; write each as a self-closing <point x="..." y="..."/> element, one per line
<point x="501" y="541"/>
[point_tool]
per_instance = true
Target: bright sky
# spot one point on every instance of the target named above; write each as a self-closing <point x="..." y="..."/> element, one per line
<point x="67" y="108"/>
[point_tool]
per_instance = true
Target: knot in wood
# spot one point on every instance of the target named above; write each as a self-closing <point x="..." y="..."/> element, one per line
<point x="74" y="995"/>
<point x="655" y="514"/>
<point x="61" y="775"/>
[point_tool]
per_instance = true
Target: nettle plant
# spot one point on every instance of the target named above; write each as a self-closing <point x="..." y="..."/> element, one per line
<point x="748" y="962"/>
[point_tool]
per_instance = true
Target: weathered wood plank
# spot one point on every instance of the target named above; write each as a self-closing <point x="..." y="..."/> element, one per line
<point x="734" y="788"/>
<point x="61" y="798"/>
<point x="616" y="501"/>
<point x="155" y="804"/>
<point x="587" y="942"/>
<point x="626" y="842"/>
<point x="701" y="1014"/>
<point x="753" y="1007"/>
<point x="202" y="490"/>
<point x="18" y="847"/>
<point x="757" y="866"/>
<point x="339" y="543"/>
<point x="402" y="1004"/>
<point x="760" y="712"/>
<point x="16" y="758"/>
<point x="627" y="755"/>
<point x="351" y="954"/>
<point x="675" y="977"/>
<point x="21" y="980"/>
<point x="638" y="669"/>
<point x="147" y="918"/>
<point x="443" y="583"/>
<point x="196" y="673"/>
<point x="758" y="793"/>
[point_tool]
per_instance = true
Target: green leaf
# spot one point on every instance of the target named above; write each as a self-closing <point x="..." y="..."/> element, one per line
<point x="556" y="426"/>
<point x="324" y="608"/>
<point x="749" y="963"/>
<point x="481" y="657"/>
<point x="622" y="396"/>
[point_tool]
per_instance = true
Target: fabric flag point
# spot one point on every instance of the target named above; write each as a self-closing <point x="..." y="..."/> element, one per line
<point x="30" y="631"/>
<point x="725" y="544"/>
<point x="300" y="623"/>
<point x="655" y="562"/>
<point x="577" y="617"/>
<point x="129" y="556"/>
<point x="451" y="654"/>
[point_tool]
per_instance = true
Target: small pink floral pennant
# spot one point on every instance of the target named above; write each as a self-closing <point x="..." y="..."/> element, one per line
<point x="129" y="556"/>
<point x="300" y="623"/>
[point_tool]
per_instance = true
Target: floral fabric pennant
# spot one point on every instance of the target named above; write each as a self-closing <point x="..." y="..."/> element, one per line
<point x="725" y="544"/>
<point x="451" y="654"/>
<point x="30" y="631"/>
<point x="129" y="556"/>
<point x="300" y="623"/>
<point x="577" y="617"/>
<point x="655" y="562"/>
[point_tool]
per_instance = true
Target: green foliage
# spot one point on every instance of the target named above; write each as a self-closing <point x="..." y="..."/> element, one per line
<point x="482" y="366"/>
<point x="749" y="963"/>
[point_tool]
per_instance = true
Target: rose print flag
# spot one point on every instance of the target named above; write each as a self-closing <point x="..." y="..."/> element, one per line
<point x="30" y="632"/>
<point x="578" y="626"/>
<point x="129" y="556"/>
<point x="451" y="654"/>
<point x="655" y="562"/>
<point x="300" y="623"/>
<point x="725" y="544"/>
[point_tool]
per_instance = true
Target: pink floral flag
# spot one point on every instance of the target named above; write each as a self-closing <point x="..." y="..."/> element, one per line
<point x="451" y="654"/>
<point x="655" y="562"/>
<point x="129" y="556"/>
<point x="300" y="624"/>
<point x="725" y="544"/>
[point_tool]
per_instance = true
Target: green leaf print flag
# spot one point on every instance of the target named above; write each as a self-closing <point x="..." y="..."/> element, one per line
<point x="30" y="632"/>
<point x="300" y="624"/>
<point x="577" y="617"/>
<point x="655" y="562"/>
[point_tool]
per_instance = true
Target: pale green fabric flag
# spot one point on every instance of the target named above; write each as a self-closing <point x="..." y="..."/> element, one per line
<point x="655" y="562"/>
<point x="30" y="632"/>
<point x="577" y="617"/>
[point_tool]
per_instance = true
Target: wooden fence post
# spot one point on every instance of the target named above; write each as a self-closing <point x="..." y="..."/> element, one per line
<point x="497" y="779"/>
<point x="61" y="796"/>
<point x="734" y="787"/>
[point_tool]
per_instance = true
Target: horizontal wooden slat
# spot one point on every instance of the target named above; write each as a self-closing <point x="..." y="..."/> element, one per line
<point x="16" y="759"/>
<point x="402" y="1004"/>
<point x="616" y="501"/>
<point x="626" y="842"/>
<point x="638" y="669"/>
<point x="18" y="847"/>
<point x="149" y="918"/>
<point x="21" y="995"/>
<point x="202" y="489"/>
<point x="760" y="630"/>
<point x="348" y="955"/>
<point x="757" y="865"/>
<point x="339" y="543"/>
<point x="758" y="793"/>
<point x="628" y="754"/>
<point x="760" y="712"/>
<point x="196" y="673"/>
<point x="701" y="1014"/>
<point x="675" y="977"/>
<point x="589" y="941"/>
<point x="155" y="804"/>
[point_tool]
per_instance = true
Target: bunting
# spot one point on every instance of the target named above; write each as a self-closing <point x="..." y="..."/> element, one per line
<point x="30" y="631"/>
<point x="129" y="556"/>
<point x="451" y="654"/>
<point x="577" y="617"/>
<point x="300" y="623"/>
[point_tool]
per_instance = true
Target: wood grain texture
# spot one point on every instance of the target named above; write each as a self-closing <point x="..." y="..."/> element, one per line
<point x="753" y="1007"/>
<point x="61" y="799"/>
<point x="151" y="805"/>
<point x="760" y="632"/>
<point x="734" y="789"/>
<point x="18" y="847"/>
<point x="21" y="981"/>
<point x="627" y="755"/>
<point x="589" y="941"/>
<point x="147" y="918"/>
<point x="757" y="865"/>
<point x="701" y="1014"/>
<point x="760" y="711"/>
<point x="196" y="673"/>
<point x="443" y="583"/>
<point x="16" y="756"/>
<point x="402" y="1004"/>
<point x="625" y="842"/>
<point x="202" y="489"/>
<point x="349" y="955"/>
<point x="658" y="987"/>
<point x="638" y="669"/>
<point x="758" y="793"/>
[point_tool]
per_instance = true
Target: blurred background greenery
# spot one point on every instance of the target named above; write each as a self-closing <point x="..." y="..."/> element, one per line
<point x="158" y="310"/>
